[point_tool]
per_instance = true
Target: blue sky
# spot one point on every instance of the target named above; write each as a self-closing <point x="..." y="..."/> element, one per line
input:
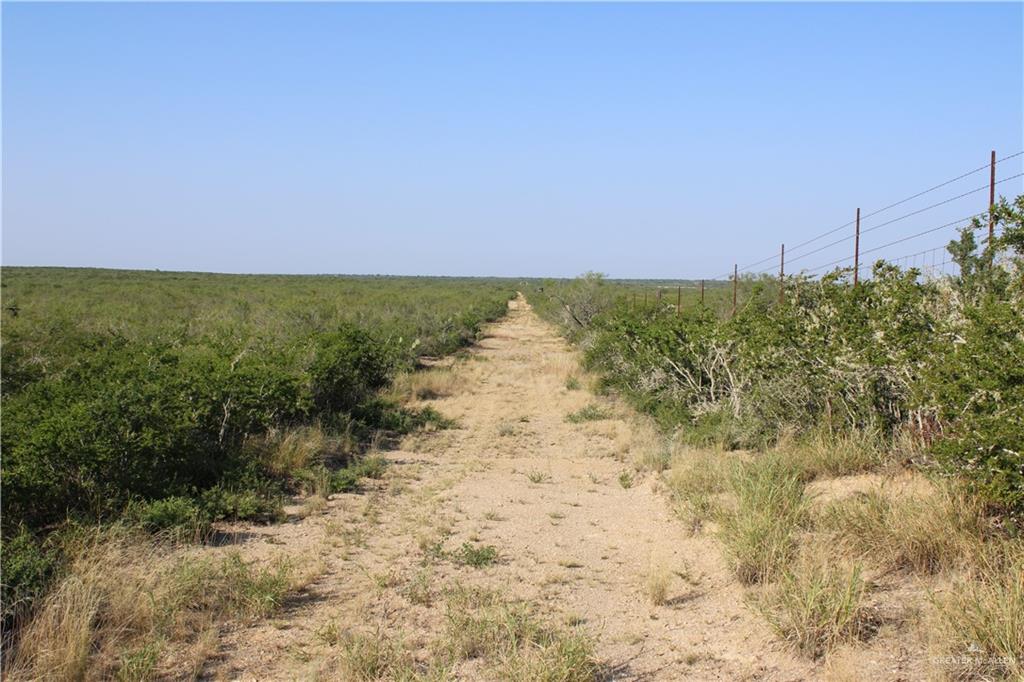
<point x="655" y="140"/>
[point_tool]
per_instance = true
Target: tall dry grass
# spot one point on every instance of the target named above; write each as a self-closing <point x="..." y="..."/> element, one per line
<point x="287" y="451"/>
<point x="821" y="454"/>
<point x="125" y="601"/>
<point x="427" y="384"/>
<point x="980" y="623"/>
<point x="648" y="449"/>
<point x="924" y="531"/>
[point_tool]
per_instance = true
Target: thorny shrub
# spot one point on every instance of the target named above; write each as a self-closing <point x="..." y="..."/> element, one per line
<point x="937" y="361"/>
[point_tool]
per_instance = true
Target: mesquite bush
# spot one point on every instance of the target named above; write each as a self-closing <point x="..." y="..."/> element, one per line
<point x="939" y="361"/>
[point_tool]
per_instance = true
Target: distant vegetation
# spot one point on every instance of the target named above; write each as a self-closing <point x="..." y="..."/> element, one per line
<point x="171" y="400"/>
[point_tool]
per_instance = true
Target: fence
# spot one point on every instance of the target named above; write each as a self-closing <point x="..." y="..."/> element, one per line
<point x="931" y="261"/>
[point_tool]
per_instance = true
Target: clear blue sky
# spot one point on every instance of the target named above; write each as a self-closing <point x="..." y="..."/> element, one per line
<point x="658" y="140"/>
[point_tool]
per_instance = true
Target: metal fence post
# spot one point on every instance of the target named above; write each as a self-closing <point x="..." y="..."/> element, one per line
<point x="735" y="280"/>
<point x="991" y="199"/>
<point x="782" y="273"/>
<point x="856" y="251"/>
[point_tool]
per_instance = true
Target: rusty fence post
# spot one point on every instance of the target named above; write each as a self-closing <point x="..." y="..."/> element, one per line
<point x="856" y="251"/>
<point x="679" y="300"/>
<point x="991" y="199"/>
<point x="735" y="281"/>
<point x="702" y="292"/>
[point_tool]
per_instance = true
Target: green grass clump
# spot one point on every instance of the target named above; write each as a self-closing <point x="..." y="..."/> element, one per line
<point x="232" y="587"/>
<point x="759" y="529"/>
<point x="503" y="640"/>
<point x="368" y="657"/>
<point x="587" y="414"/>
<point x="347" y="480"/>
<point x="537" y="477"/>
<point x="816" y="606"/>
<point x="476" y="556"/>
<point x="820" y="455"/>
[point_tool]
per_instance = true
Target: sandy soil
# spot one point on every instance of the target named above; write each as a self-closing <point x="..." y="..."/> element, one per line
<point x="573" y="540"/>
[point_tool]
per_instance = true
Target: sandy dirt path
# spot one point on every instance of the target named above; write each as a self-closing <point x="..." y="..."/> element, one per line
<point x="573" y="540"/>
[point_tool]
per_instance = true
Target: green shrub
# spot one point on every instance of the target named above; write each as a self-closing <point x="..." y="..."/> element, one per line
<point x="978" y="389"/>
<point x="225" y="504"/>
<point x="27" y="566"/>
<point x="180" y="516"/>
<point x="132" y="421"/>
<point x="349" y="367"/>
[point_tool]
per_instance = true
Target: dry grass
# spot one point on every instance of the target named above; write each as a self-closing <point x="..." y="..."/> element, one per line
<point x="921" y="531"/>
<point x="817" y="605"/>
<point x="496" y="638"/>
<point x="367" y="657"/>
<point x="695" y="479"/>
<point x="566" y="366"/>
<point x="980" y="623"/>
<point x="656" y="584"/>
<point x="649" y="449"/>
<point x="511" y="641"/>
<point x="125" y="603"/>
<point x="824" y="455"/>
<point x="314" y="504"/>
<point x="286" y="451"/>
<point x="427" y="384"/>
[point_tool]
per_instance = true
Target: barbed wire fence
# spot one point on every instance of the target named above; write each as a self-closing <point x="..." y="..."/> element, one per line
<point x="861" y="254"/>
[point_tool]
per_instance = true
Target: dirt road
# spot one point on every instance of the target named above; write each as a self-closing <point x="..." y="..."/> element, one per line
<point x="580" y="536"/>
